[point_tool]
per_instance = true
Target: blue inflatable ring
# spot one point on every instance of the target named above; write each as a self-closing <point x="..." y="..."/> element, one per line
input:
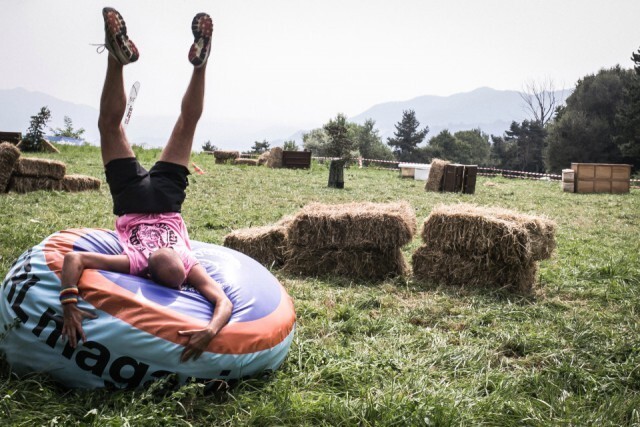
<point x="134" y="339"/>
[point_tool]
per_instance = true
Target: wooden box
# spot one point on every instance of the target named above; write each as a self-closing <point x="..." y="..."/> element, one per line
<point x="568" y="186"/>
<point x="453" y="178"/>
<point x="601" y="177"/>
<point x="12" y="137"/>
<point x="568" y="175"/>
<point x="296" y="159"/>
<point x="407" y="170"/>
<point x="469" y="179"/>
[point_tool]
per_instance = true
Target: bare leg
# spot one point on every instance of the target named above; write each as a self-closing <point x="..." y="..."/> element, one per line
<point x="113" y="140"/>
<point x="178" y="149"/>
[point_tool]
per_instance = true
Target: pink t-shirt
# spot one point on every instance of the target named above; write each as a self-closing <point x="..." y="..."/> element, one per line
<point x="143" y="234"/>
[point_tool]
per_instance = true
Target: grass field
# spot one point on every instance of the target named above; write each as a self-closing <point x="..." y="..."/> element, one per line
<point x="393" y="353"/>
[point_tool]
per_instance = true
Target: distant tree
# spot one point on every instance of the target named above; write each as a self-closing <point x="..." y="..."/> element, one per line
<point x="290" y="146"/>
<point x="208" y="146"/>
<point x="526" y="143"/>
<point x="540" y="100"/>
<point x="368" y="141"/>
<point x="68" y="130"/>
<point x="316" y="141"/>
<point x="503" y="153"/>
<point x="407" y="136"/>
<point x="584" y="130"/>
<point x="340" y="143"/>
<point x="443" y="145"/>
<point x="474" y="147"/>
<point x="627" y="121"/>
<point x="33" y="140"/>
<point x="260" y="147"/>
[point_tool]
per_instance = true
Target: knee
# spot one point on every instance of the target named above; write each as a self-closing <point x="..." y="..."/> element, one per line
<point x="107" y="123"/>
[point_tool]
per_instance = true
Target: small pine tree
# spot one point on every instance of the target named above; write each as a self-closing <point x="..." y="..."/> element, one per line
<point x="407" y="136"/>
<point x="260" y="147"/>
<point x="208" y="146"/>
<point x="340" y="142"/>
<point x="68" y="130"/>
<point x="33" y="140"/>
<point x="290" y="146"/>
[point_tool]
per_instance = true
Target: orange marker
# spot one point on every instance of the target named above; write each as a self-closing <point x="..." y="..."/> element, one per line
<point x="198" y="170"/>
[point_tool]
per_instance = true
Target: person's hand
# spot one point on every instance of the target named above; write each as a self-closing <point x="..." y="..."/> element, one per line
<point x="199" y="339"/>
<point x="72" y="327"/>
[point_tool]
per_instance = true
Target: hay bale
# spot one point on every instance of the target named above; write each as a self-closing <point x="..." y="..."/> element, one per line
<point x="26" y="184"/>
<point x="275" y="158"/>
<point x="223" y="156"/>
<point x="45" y="146"/>
<point x="353" y="225"/>
<point x="27" y="166"/>
<point x="76" y="183"/>
<point x="361" y="264"/>
<point x="436" y="173"/>
<point x="9" y="155"/>
<point x="474" y="229"/>
<point x="264" y="158"/>
<point x="444" y="268"/>
<point x="542" y="230"/>
<point x="266" y="244"/>
<point x="467" y="230"/>
<point x="71" y="183"/>
<point x="248" y="162"/>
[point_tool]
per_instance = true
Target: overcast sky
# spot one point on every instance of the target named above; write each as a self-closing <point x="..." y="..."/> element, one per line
<point x="304" y="61"/>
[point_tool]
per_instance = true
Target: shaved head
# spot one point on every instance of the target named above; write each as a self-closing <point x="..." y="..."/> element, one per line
<point x="166" y="268"/>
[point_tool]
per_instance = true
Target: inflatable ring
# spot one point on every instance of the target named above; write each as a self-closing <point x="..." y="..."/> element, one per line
<point x="134" y="339"/>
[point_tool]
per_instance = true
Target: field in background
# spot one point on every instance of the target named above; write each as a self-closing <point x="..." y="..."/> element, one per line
<point x="392" y="353"/>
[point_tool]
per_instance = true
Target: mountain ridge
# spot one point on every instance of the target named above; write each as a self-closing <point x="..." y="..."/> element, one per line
<point x="484" y="108"/>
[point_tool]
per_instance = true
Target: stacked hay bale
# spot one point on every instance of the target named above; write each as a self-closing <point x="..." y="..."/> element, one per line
<point x="568" y="180"/>
<point x="266" y="244"/>
<point x="264" y="158"/>
<point x="436" y="175"/>
<point x="271" y="158"/>
<point x="275" y="158"/>
<point x="23" y="174"/>
<point x="9" y="155"/>
<point x="248" y="162"/>
<point x="467" y="245"/>
<point x="223" y="156"/>
<point x="355" y="240"/>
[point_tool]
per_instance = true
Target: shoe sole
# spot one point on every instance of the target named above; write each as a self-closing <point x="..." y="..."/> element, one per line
<point x="202" y="28"/>
<point x="116" y="39"/>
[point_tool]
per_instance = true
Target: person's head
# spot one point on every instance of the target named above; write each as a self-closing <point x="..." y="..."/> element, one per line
<point x="166" y="268"/>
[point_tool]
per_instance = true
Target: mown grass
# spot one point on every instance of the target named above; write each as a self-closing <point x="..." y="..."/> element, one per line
<point x="392" y="353"/>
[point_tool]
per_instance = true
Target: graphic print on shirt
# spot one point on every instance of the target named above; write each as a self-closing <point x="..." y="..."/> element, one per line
<point x="148" y="238"/>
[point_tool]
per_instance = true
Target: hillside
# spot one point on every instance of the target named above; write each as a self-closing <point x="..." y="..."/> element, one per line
<point x="488" y="109"/>
<point x="485" y="108"/>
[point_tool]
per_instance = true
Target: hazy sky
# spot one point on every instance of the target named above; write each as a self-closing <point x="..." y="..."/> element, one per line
<point x="297" y="61"/>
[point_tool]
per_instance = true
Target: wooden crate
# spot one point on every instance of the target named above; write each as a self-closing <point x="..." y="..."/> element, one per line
<point x="469" y="179"/>
<point x="296" y="159"/>
<point x="568" y="186"/>
<point x="453" y="178"/>
<point x="407" y="170"/>
<point x="601" y="177"/>
<point x="12" y="137"/>
<point x="568" y="175"/>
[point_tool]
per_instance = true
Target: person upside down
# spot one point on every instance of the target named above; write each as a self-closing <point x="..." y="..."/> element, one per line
<point x="148" y="203"/>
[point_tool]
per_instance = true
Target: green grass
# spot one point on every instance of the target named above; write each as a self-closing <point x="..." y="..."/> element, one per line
<point x="393" y="353"/>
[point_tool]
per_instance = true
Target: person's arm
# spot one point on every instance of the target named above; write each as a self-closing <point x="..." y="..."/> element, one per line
<point x="72" y="267"/>
<point x="199" y="338"/>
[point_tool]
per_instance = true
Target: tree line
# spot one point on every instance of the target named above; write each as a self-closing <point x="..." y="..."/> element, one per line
<point x="600" y="123"/>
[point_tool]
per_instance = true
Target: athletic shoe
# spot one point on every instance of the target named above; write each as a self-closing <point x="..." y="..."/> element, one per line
<point x="202" y="28"/>
<point x="115" y="37"/>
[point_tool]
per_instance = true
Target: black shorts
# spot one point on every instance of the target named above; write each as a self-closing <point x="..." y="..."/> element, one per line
<point x="136" y="190"/>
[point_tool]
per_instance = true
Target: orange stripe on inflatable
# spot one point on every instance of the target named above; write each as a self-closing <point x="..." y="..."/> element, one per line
<point x="235" y="338"/>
